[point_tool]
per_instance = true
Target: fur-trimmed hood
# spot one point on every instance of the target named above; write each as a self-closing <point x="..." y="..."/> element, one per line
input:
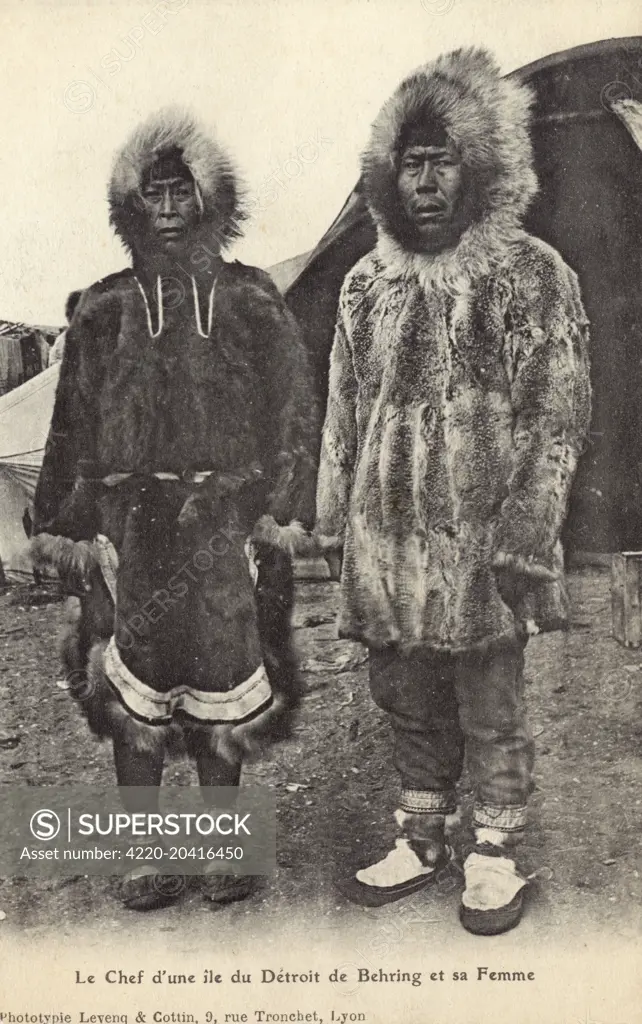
<point x="213" y="171"/>
<point x="487" y="118"/>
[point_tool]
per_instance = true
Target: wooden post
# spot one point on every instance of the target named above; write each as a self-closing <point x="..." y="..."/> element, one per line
<point x="626" y="576"/>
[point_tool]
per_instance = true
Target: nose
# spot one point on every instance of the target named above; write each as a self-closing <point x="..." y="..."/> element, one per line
<point x="427" y="181"/>
<point x="167" y="206"/>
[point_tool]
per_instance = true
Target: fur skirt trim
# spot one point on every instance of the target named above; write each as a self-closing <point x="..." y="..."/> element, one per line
<point x="109" y="718"/>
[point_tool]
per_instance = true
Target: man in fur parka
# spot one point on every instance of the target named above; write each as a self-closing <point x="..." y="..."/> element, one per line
<point x="458" y="407"/>
<point x="184" y="422"/>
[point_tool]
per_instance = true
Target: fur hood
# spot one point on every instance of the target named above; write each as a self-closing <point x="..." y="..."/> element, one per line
<point x="487" y="118"/>
<point x="214" y="173"/>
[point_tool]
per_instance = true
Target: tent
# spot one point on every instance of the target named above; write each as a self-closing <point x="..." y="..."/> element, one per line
<point x="587" y="135"/>
<point x="24" y="352"/>
<point x="25" y="414"/>
<point x="26" y="403"/>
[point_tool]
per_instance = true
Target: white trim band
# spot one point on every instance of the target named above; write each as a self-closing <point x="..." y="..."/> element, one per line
<point x="143" y="701"/>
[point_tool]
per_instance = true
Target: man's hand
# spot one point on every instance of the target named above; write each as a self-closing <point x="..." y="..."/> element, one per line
<point x="516" y="574"/>
<point x="520" y="566"/>
<point x="334" y="560"/>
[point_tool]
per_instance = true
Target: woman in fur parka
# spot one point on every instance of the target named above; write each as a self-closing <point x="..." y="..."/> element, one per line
<point x="458" y="407"/>
<point x="184" y="422"/>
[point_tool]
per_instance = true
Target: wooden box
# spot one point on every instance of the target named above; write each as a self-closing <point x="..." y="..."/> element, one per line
<point x="626" y="582"/>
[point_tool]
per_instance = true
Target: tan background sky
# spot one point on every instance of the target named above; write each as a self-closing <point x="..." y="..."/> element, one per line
<point x="272" y="76"/>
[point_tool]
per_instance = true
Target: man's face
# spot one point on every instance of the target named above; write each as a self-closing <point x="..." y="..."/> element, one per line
<point x="430" y="188"/>
<point x="172" y="210"/>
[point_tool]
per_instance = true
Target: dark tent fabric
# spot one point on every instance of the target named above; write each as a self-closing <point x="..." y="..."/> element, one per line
<point x="24" y="352"/>
<point x="587" y="134"/>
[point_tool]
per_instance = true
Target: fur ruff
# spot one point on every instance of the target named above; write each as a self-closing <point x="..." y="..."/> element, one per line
<point x="212" y="168"/>
<point x="487" y="118"/>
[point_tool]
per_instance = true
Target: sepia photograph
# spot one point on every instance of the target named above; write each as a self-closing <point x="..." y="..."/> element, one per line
<point x="321" y="512"/>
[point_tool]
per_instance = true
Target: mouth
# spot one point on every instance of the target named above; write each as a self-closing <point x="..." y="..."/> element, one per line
<point x="430" y="212"/>
<point x="169" y="233"/>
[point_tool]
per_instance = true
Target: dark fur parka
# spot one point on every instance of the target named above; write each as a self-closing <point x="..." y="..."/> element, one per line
<point x="459" y="396"/>
<point x="127" y="402"/>
<point x="135" y="399"/>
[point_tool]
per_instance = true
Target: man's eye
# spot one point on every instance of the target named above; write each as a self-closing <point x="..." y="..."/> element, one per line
<point x="152" y="197"/>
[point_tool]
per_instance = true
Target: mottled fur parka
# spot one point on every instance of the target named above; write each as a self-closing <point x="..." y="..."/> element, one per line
<point x="168" y="370"/>
<point x="459" y="395"/>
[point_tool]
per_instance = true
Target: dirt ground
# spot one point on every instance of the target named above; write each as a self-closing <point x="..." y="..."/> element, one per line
<point x="336" y="790"/>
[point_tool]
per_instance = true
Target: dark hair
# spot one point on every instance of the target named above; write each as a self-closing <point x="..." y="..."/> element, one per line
<point x="425" y="129"/>
<point x="168" y="163"/>
<point x="71" y="303"/>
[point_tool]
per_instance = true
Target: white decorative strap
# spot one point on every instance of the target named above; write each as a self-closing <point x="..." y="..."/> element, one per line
<point x="197" y="311"/>
<point x="250" y="554"/>
<point x="108" y="562"/>
<point x="159" y="296"/>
